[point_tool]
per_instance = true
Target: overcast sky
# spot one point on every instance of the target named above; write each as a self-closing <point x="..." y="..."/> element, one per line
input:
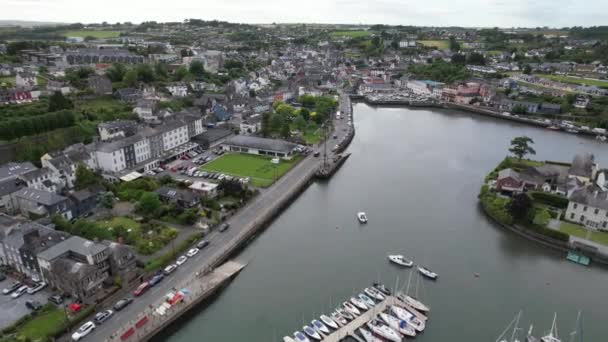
<point x="490" y="13"/>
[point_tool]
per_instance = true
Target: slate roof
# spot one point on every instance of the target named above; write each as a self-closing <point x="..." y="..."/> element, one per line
<point x="582" y="165"/>
<point x="10" y="170"/>
<point x="40" y="196"/>
<point x="592" y="196"/>
<point x="9" y="186"/>
<point x="74" y="244"/>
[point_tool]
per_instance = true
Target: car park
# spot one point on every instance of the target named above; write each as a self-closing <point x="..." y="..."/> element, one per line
<point x="103" y="316"/>
<point x="202" y="244"/>
<point x="123" y="303"/>
<point x="36" y="288"/>
<point x="181" y="260"/>
<point x="83" y="331"/>
<point x="12" y="287"/>
<point x="224" y="227"/>
<point x="20" y="291"/>
<point x="156" y="279"/>
<point x="169" y="269"/>
<point x="57" y="299"/>
<point x="141" y="289"/>
<point x="192" y="252"/>
<point x="33" y="305"/>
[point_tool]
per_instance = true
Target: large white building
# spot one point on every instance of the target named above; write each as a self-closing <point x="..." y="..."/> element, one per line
<point x="588" y="206"/>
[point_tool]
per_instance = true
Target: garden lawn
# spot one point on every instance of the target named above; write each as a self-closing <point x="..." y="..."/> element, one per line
<point x="43" y="325"/>
<point x="259" y="168"/>
<point x="440" y="44"/>
<point x="575" y="80"/>
<point x="120" y="221"/>
<point x="579" y="231"/>
<point x="350" y="34"/>
<point x="99" y="34"/>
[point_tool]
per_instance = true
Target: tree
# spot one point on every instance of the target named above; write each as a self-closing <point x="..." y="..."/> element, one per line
<point x="84" y="177"/>
<point x="300" y="123"/>
<point x="519" y="109"/>
<point x="459" y="58"/>
<point x="161" y="71"/>
<point x="59" y="102"/>
<point x="180" y="73"/>
<point x="285" y="131"/>
<point x="197" y="68"/>
<point x="305" y="114"/>
<point x="130" y="78"/>
<point x="252" y="93"/>
<point x="276" y="122"/>
<point x="145" y="73"/>
<point x="520" y="146"/>
<point x="148" y="203"/>
<point x="520" y="206"/>
<point x="116" y="72"/>
<point x="476" y="59"/>
<point x="454" y="45"/>
<point x="527" y="69"/>
<point x="265" y="124"/>
<point x="106" y="199"/>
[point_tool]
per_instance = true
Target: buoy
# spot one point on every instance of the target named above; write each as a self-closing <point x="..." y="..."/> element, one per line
<point x="476" y="275"/>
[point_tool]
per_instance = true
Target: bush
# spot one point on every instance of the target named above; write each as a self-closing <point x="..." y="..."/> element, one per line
<point x="494" y="206"/>
<point x="550" y="199"/>
<point x="168" y="257"/>
<point x="554" y="234"/>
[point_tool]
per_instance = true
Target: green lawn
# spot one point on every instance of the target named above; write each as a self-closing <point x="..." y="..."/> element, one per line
<point x="440" y="44"/>
<point x="350" y="34"/>
<point x="99" y="34"/>
<point x="41" y="326"/>
<point x="259" y="168"/>
<point x="102" y="103"/>
<point x="575" y="80"/>
<point x="313" y="136"/>
<point x="120" y="221"/>
<point x="579" y="231"/>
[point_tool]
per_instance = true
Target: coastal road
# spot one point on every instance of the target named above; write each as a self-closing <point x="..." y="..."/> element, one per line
<point x="260" y="206"/>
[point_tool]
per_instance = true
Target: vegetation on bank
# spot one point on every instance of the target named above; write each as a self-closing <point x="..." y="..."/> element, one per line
<point x="439" y="71"/>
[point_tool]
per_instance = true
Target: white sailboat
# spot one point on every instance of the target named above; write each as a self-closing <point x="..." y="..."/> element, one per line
<point x="400" y="260"/>
<point x="300" y="337"/>
<point x="412" y="300"/>
<point x="407" y="316"/>
<point x="515" y="322"/>
<point x="289" y="339"/>
<point x="368" y="336"/>
<point x="311" y="332"/>
<point x="552" y="336"/>
<point x="338" y="318"/>
<point x="329" y="322"/>
<point x="359" y="303"/>
<point x="373" y="293"/>
<point x="320" y="327"/>
<point x="398" y="325"/>
<point x="368" y="301"/>
<point x="384" y="331"/>
<point x="351" y="308"/>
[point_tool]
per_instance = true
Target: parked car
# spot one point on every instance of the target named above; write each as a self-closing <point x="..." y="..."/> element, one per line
<point x="181" y="260"/>
<point x="224" y="227"/>
<point x="123" y="303"/>
<point x="20" y="291"/>
<point x="156" y="279"/>
<point x="12" y="287"/>
<point x="83" y="331"/>
<point x="143" y="287"/>
<point x="169" y="269"/>
<point x="202" y="244"/>
<point x="33" y="305"/>
<point x="192" y="252"/>
<point x="103" y="316"/>
<point x="37" y="288"/>
<point x="57" y="299"/>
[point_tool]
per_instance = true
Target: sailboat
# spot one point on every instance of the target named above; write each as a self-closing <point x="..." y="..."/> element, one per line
<point x="552" y="336"/>
<point x="514" y="322"/>
<point x="412" y="300"/>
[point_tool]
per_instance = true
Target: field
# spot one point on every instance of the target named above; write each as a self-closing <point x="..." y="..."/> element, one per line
<point x="96" y="34"/>
<point x="575" y="80"/>
<point x="579" y="231"/>
<point x="350" y="34"/>
<point x="259" y="168"/>
<point x="440" y="44"/>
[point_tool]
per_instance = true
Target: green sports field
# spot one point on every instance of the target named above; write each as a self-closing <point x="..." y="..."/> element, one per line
<point x="99" y="34"/>
<point x="259" y="168"/>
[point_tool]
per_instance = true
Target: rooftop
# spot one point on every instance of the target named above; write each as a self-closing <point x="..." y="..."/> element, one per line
<point x="261" y="143"/>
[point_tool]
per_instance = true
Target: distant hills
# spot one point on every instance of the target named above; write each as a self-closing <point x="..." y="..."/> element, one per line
<point x="26" y="23"/>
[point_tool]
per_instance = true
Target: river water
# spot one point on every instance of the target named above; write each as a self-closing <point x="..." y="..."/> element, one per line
<point x="417" y="174"/>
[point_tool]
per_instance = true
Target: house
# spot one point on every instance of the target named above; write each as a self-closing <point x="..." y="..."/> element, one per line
<point x="62" y="87"/>
<point x="8" y="187"/>
<point x="41" y="179"/>
<point x="26" y="80"/>
<point x="251" y="125"/>
<point x="205" y="189"/>
<point x="122" y="261"/>
<point x="584" y="167"/>
<point x="145" y="110"/>
<point x="589" y="206"/>
<point x="529" y="107"/>
<point x="128" y="95"/>
<point x="36" y="203"/>
<point x="510" y="181"/>
<point x="83" y="201"/>
<point x="582" y="101"/>
<point x="94" y="56"/>
<point x="549" y="108"/>
<point x="100" y="85"/>
<point x="76" y="266"/>
<point x="213" y="137"/>
<point x="178" y="89"/>
<point x="180" y="197"/>
<point x="117" y="128"/>
<point x="259" y="146"/>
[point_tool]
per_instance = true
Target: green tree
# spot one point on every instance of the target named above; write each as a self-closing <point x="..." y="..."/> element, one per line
<point x="459" y="58"/>
<point x="106" y="199"/>
<point x="305" y="114"/>
<point x="300" y="123"/>
<point x="145" y="73"/>
<point x="519" y="109"/>
<point x="85" y="177"/>
<point x="527" y="69"/>
<point x="161" y="71"/>
<point x="520" y="146"/>
<point x="520" y="206"/>
<point x="130" y="78"/>
<point x="180" y="73"/>
<point x="276" y="122"/>
<point x="454" y="45"/>
<point x="265" y="124"/>
<point x="476" y="59"/>
<point x="58" y="102"/>
<point x="116" y="72"/>
<point x="197" y="68"/>
<point x="285" y="131"/>
<point x="148" y="203"/>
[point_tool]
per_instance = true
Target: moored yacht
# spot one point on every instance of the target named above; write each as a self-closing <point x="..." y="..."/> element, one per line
<point x="383" y="330"/>
<point x="345" y="313"/>
<point x="300" y="337"/>
<point x="373" y="293"/>
<point x="351" y="309"/>
<point x="398" y="325"/>
<point x="289" y="339"/>
<point x="368" y="301"/>
<point x="552" y="335"/>
<point x="311" y="332"/>
<point x="320" y="327"/>
<point x="368" y="336"/>
<point x="413" y="302"/>
<point x="427" y="273"/>
<point x="407" y="316"/>
<point x="362" y="217"/>
<point x="339" y="319"/>
<point x="400" y="260"/>
<point x="359" y="303"/>
<point x="380" y="287"/>
<point x="329" y="322"/>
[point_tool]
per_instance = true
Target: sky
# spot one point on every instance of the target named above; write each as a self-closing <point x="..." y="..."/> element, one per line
<point x="469" y="13"/>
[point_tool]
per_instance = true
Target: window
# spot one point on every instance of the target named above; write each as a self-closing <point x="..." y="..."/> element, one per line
<point x="574" y="206"/>
<point x="596" y="211"/>
<point x="582" y="218"/>
<point x="572" y="216"/>
<point x="604" y="224"/>
<point x="585" y="208"/>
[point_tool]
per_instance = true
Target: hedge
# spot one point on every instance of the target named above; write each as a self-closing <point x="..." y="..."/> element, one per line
<point x="550" y="199"/>
<point x="495" y="206"/>
<point x="168" y="257"/>
<point x="554" y="234"/>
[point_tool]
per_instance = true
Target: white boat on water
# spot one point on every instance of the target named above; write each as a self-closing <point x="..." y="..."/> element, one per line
<point x="384" y="331"/>
<point x="413" y="302"/>
<point x="409" y="317"/>
<point x="368" y="301"/>
<point x="373" y="293"/>
<point x="320" y="327"/>
<point x="398" y="325"/>
<point x="329" y="322"/>
<point x="289" y="339"/>
<point x="312" y="333"/>
<point x="345" y="313"/>
<point x="368" y="336"/>
<point x="351" y="309"/>
<point x="338" y="318"/>
<point x="400" y="260"/>
<point x="380" y="287"/>
<point x="362" y="217"/>
<point x="300" y="337"/>
<point x="359" y="303"/>
<point x="552" y="335"/>
<point x="427" y="273"/>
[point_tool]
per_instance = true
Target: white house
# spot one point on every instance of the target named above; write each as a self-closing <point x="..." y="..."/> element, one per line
<point x="26" y="80"/>
<point x="178" y="89"/>
<point x="588" y="206"/>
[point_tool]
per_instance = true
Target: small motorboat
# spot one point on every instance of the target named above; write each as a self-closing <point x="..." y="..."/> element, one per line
<point x="383" y="330"/>
<point x="352" y="309"/>
<point x="320" y="327"/>
<point x="312" y="333"/>
<point x="398" y="325"/>
<point x="358" y="303"/>
<point x="373" y="293"/>
<point x="339" y="319"/>
<point x="409" y="317"/>
<point x="427" y="273"/>
<point x="400" y="260"/>
<point x="368" y="336"/>
<point x="382" y="288"/>
<point x="414" y="303"/>
<point x="289" y="339"/>
<point x="368" y="301"/>
<point x="329" y="322"/>
<point x="345" y="313"/>
<point x="362" y="217"/>
<point x="300" y="337"/>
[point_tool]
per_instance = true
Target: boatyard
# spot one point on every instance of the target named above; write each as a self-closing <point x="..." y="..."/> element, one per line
<point x="376" y="314"/>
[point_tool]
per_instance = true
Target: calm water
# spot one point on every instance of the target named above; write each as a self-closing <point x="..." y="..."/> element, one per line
<point x="417" y="174"/>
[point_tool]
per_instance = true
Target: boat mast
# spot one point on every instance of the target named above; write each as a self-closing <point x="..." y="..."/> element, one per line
<point x="516" y="326"/>
<point x="407" y="290"/>
<point x="500" y="337"/>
